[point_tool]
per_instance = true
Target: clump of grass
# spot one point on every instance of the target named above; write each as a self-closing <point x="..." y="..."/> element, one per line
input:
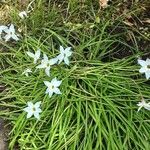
<point x="97" y="108"/>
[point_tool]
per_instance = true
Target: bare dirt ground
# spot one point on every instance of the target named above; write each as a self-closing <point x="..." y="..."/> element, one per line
<point x="3" y="143"/>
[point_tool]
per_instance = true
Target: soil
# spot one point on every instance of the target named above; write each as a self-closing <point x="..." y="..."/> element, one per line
<point x="3" y="142"/>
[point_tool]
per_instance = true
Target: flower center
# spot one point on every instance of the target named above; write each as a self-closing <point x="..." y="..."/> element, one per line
<point x="52" y="87"/>
<point x="148" y="66"/>
<point x="48" y="65"/>
<point x="33" y="109"/>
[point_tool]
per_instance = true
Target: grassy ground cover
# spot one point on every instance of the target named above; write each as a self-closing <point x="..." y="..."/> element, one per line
<point x="100" y="88"/>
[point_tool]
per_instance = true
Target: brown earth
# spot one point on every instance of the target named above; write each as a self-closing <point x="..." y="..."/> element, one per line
<point x="3" y="143"/>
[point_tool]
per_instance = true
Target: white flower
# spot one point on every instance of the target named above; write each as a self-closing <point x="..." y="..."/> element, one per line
<point x="145" y="67"/>
<point x="52" y="87"/>
<point x="26" y="72"/>
<point x="64" y="54"/>
<point x="10" y="33"/>
<point x="33" y="109"/>
<point x="143" y="104"/>
<point x="2" y="28"/>
<point x="23" y="15"/>
<point x="35" y="56"/>
<point x="46" y="64"/>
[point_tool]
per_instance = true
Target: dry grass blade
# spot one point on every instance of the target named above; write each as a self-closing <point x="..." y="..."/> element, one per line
<point x="103" y="3"/>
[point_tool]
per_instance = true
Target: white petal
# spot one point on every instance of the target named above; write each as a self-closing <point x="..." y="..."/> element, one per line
<point x="47" y="71"/>
<point x="36" y="115"/>
<point x="61" y="49"/>
<point x="47" y="83"/>
<point x="3" y="28"/>
<point x="53" y="61"/>
<point x="50" y="93"/>
<point x="27" y="109"/>
<point x="139" y="108"/>
<point x="38" y="110"/>
<point x="147" y="61"/>
<point x="23" y="14"/>
<point x="56" y="82"/>
<point x="142" y="62"/>
<point x="147" y="107"/>
<point x="30" y="54"/>
<point x="30" y="104"/>
<point x="35" y="61"/>
<point x="68" y="51"/>
<point x="38" y="53"/>
<point x="66" y="60"/>
<point x="45" y="58"/>
<point x="37" y="104"/>
<point x="30" y="113"/>
<point x="7" y="37"/>
<point x="142" y="70"/>
<point x="40" y="66"/>
<point x="147" y="74"/>
<point x="26" y="74"/>
<point x="60" y="58"/>
<point x="57" y="91"/>
<point x="28" y="70"/>
<point x="15" y="37"/>
<point x="11" y="28"/>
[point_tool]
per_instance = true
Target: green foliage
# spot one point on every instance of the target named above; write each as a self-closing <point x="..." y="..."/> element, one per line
<point x="97" y="109"/>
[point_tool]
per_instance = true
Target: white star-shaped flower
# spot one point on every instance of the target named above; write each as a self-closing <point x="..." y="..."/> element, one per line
<point x="52" y="87"/>
<point x="27" y="71"/>
<point x="46" y="64"/>
<point x="23" y="15"/>
<point x="145" y="67"/>
<point x="33" y="109"/>
<point x="10" y="33"/>
<point x="35" y="56"/>
<point x="143" y="104"/>
<point x="64" y="54"/>
<point x="2" y="28"/>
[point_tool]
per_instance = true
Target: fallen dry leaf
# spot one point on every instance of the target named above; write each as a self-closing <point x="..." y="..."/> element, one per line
<point x="146" y="21"/>
<point x="103" y="3"/>
<point x="128" y="23"/>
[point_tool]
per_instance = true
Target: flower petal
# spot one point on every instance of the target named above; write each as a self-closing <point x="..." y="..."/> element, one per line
<point x="30" y="54"/>
<point x="61" y="49"/>
<point x="30" y="104"/>
<point x="147" y="61"/>
<point x="36" y="115"/>
<point x="56" y="82"/>
<point x="30" y="113"/>
<point x="47" y="71"/>
<point x="142" y="62"/>
<point x="60" y="58"/>
<point x="38" y="53"/>
<point x="7" y="37"/>
<point x="45" y="58"/>
<point x="40" y="66"/>
<point x="37" y="104"/>
<point x="57" y="91"/>
<point x="142" y="70"/>
<point x="15" y="37"/>
<point x="66" y="60"/>
<point x="147" y="74"/>
<point x="47" y="83"/>
<point x="53" y="61"/>
<point x="11" y="28"/>
<point x="27" y="109"/>
<point x="147" y="107"/>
